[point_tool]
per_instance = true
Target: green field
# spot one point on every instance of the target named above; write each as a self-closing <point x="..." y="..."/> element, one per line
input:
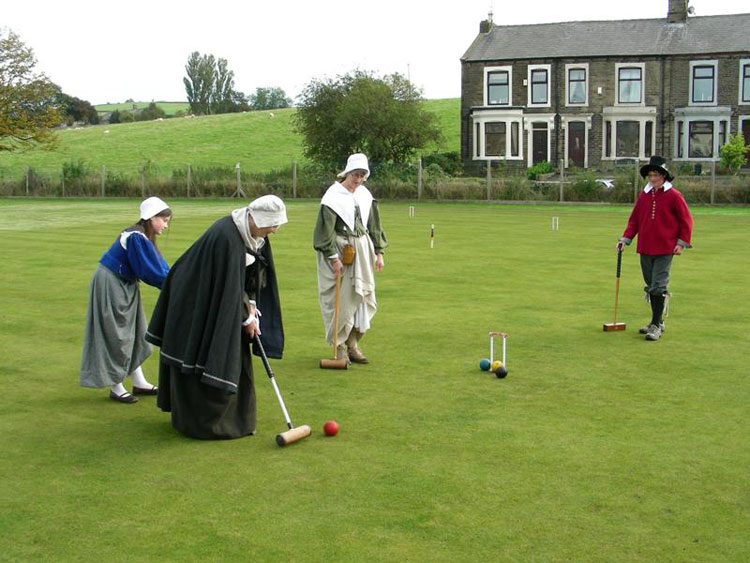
<point x="260" y="141"/>
<point x="170" y="108"/>
<point x="596" y="447"/>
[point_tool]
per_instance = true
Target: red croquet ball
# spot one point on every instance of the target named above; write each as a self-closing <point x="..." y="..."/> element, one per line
<point x="331" y="428"/>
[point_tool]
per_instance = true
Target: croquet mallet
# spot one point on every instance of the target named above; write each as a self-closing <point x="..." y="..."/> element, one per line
<point x="614" y="325"/>
<point x="293" y="434"/>
<point x="335" y="363"/>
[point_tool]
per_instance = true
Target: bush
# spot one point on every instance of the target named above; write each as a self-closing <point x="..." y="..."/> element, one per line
<point x="535" y="171"/>
<point x="734" y="153"/>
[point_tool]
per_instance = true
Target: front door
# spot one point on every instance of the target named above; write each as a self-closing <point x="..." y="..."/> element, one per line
<point x="539" y="143"/>
<point x="746" y="135"/>
<point x="577" y="143"/>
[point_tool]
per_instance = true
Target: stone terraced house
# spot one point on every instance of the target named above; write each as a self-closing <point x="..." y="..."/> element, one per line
<point x="596" y="94"/>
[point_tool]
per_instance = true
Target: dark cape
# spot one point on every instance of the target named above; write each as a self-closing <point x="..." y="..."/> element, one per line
<point x="205" y="373"/>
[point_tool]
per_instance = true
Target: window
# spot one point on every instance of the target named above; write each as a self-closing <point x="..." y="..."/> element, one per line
<point x="703" y="84"/>
<point x="577" y="86"/>
<point x="494" y="139"/>
<point x="628" y="134"/>
<point x="700" y="141"/>
<point x="498" y="83"/>
<point x="700" y="135"/>
<point x="745" y="81"/>
<point x="630" y="85"/>
<point x="497" y="134"/>
<point x="539" y="86"/>
<point x="608" y="139"/>
<point x="627" y="138"/>
<point x="514" y="144"/>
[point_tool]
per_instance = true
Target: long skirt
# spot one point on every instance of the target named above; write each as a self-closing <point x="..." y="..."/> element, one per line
<point x="357" y="302"/>
<point x="114" y="343"/>
<point x="204" y="412"/>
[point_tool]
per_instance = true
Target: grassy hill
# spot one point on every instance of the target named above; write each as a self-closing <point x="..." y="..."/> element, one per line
<point x="260" y="141"/>
<point x="170" y="108"/>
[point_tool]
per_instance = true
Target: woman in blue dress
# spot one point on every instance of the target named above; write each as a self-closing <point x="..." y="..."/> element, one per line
<point x="114" y="344"/>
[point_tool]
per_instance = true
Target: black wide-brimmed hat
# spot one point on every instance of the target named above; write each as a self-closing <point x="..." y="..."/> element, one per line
<point x="658" y="164"/>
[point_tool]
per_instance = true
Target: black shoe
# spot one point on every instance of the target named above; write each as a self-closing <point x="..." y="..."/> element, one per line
<point x="145" y="390"/>
<point x="124" y="398"/>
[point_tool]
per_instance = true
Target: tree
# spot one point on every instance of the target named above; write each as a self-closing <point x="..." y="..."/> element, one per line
<point x="382" y="117"/>
<point x="221" y="97"/>
<point x="74" y="109"/>
<point x="199" y="82"/>
<point x="27" y="100"/>
<point x="734" y="153"/>
<point x="269" y="98"/>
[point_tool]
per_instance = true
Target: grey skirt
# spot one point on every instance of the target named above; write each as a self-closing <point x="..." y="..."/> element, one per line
<point x="114" y="344"/>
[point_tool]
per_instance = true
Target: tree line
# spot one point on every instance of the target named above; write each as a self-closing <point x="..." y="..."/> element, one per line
<point x="209" y="86"/>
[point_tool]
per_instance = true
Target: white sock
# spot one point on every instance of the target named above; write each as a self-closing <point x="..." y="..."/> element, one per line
<point x="139" y="380"/>
<point x="119" y="389"/>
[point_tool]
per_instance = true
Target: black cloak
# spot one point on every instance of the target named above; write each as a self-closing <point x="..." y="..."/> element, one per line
<point x="198" y="317"/>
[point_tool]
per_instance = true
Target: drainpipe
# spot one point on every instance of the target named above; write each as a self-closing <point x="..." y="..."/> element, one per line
<point x="662" y="110"/>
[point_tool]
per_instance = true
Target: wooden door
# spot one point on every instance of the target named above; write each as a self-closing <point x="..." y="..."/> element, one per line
<point x="577" y="143"/>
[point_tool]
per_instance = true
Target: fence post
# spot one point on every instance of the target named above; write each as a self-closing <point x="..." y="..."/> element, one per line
<point x="489" y="179"/>
<point x="28" y="172"/>
<point x="294" y="179"/>
<point x="419" y="178"/>
<point x="104" y="174"/>
<point x="713" y="182"/>
<point x="189" y="174"/>
<point x="562" y="179"/>
<point x="238" y="192"/>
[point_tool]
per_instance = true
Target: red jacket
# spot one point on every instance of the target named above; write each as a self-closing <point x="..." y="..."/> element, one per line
<point x="660" y="218"/>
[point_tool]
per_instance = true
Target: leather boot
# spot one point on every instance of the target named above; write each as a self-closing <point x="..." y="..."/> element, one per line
<point x="352" y="343"/>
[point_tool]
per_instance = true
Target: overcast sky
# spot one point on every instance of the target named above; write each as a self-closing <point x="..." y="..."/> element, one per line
<point x="111" y="51"/>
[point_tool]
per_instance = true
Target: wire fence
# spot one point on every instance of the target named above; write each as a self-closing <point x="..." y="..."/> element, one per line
<point x="411" y="183"/>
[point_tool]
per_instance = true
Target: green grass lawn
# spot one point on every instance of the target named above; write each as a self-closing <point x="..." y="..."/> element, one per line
<point x="596" y="447"/>
<point x="259" y="140"/>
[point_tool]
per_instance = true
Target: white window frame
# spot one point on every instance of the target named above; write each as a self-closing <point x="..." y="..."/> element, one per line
<point x="714" y="63"/>
<point x="508" y="117"/>
<point x="642" y="66"/>
<point x="529" y="70"/>
<point x="615" y="114"/>
<point x="743" y="64"/>
<point x="586" y="119"/>
<point x="687" y="120"/>
<point x="568" y="68"/>
<point x="489" y="69"/>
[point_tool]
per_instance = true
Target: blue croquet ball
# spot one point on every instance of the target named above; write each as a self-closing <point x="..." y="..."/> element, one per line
<point x="484" y="365"/>
<point x="501" y="372"/>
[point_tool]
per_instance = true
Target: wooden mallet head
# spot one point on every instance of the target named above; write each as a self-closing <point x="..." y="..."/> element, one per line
<point x="293" y="435"/>
<point x="334" y="364"/>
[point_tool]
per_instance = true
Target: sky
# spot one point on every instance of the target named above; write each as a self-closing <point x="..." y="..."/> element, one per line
<point x="108" y="52"/>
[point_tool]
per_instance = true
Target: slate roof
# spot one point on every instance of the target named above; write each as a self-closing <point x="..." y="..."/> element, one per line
<point x="699" y="35"/>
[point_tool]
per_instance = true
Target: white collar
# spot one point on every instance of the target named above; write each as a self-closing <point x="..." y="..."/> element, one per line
<point x="343" y="202"/>
<point x="667" y="185"/>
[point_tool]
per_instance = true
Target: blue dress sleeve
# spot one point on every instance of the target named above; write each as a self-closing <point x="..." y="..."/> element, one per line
<point x="146" y="262"/>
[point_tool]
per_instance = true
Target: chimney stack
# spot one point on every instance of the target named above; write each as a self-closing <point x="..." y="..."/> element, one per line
<point x="678" y="11"/>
